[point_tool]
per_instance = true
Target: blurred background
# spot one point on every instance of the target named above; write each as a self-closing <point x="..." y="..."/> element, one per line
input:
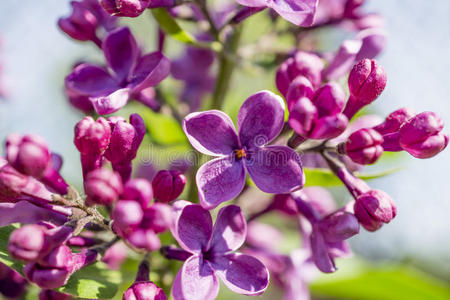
<point x="36" y="57"/>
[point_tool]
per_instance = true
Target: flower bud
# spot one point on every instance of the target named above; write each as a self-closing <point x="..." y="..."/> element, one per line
<point x="306" y="64"/>
<point x="102" y="187"/>
<point x="300" y="87"/>
<point x="339" y="226"/>
<point x="60" y="257"/>
<point x="421" y="135"/>
<point x="81" y="24"/>
<point x="138" y="189"/>
<point x="53" y="295"/>
<point x="92" y="137"/>
<point x="157" y="217"/>
<point x="126" y="213"/>
<point x="374" y="208"/>
<point x="394" y="121"/>
<point x="168" y="185"/>
<point x="363" y="146"/>
<point x="144" y="290"/>
<point x="28" y="154"/>
<point x="366" y="82"/>
<point x="27" y="242"/>
<point x="47" y="278"/>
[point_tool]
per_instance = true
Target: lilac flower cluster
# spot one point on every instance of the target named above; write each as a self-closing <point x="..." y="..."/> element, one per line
<point x="127" y="206"/>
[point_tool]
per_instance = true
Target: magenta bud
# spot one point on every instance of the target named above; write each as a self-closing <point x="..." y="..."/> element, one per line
<point x="157" y="217"/>
<point x="47" y="278"/>
<point x="92" y="137"/>
<point x="366" y="82"/>
<point x="374" y="208"/>
<point x="394" y="121"/>
<point x="339" y="226"/>
<point x="53" y="295"/>
<point x="125" y="8"/>
<point x="81" y="24"/>
<point x="329" y="99"/>
<point x="363" y="146"/>
<point x="102" y="187"/>
<point x="168" y="185"/>
<point x="27" y="242"/>
<point x="305" y="64"/>
<point x="303" y="116"/>
<point x="300" y="87"/>
<point x="60" y="257"/>
<point x="421" y="135"/>
<point x="28" y="154"/>
<point x="127" y="213"/>
<point x="138" y="189"/>
<point x="144" y="290"/>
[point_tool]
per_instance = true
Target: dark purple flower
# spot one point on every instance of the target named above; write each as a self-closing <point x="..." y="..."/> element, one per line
<point x="366" y="82"/>
<point x="320" y="117"/>
<point x="131" y="74"/>
<point x="373" y="209"/>
<point x="213" y="255"/>
<point x="274" y="169"/>
<point x="422" y="136"/>
<point x="300" y="13"/>
<point x="103" y="187"/>
<point x="363" y="146"/>
<point x="144" y="290"/>
<point x="92" y="139"/>
<point x="168" y="185"/>
<point x="124" y="143"/>
<point x="302" y="63"/>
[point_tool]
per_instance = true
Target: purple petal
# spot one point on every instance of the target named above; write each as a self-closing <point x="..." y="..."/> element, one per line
<point x="27" y="213"/>
<point x="121" y="52"/>
<point x="211" y="132"/>
<point x="260" y="119"/>
<point x="343" y="60"/>
<point x="111" y="103"/>
<point x="219" y="180"/>
<point x="252" y="3"/>
<point x="229" y="231"/>
<point x="329" y="127"/>
<point x="242" y="273"/>
<point x="275" y="169"/>
<point x="340" y="249"/>
<point x="373" y="42"/>
<point x="339" y="226"/>
<point x="300" y="13"/>
<point x="150" y="70"/>
<point x="90" y="80"/>
<point x="195" y="281"/>
<point x="193" y="228"/>
<point x="321" y="257"/>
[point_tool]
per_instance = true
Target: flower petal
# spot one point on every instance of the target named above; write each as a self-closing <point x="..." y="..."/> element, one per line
<point x="111" y="103"/>
<point x="150" y="70"/>
<point x="26" y="213"/>
<point x="193" y="228"/>
<point x="219" y="180"/>
<point x="329" y="127"/>
<point x="90" y="80"/>
<point x="300" y="13"/>
<point x="260" y="119"/>
<point x="195" y="281"/>
<point x="323" y="260"/>
<point x="275" y="169"/>
<point x="252" y="3"/>
<point x="121" y="52"/>
<point x="211" y="132"/>
<point x="241" y="273"/>
<point x="343" y="60"/>
<point x="229" y="231"/>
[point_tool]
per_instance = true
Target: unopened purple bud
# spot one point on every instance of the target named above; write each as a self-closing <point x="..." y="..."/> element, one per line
<point x="138" y="189"/>
<point x="394" y="121"/>
<point x="60" y="257"/>
<point x="168" y="185"/>
<point x="144" y="290"/>
<point x="421" y="135"/>
<point x="374" y="208"/>
<point x="81" y="24"/>
<point x="27" y="242"/>
<point x="363" y="146"/>
<point x="339" y="226"/>
<point x="125" y="8"/>
<point x="28" y="154"/>
<point x="366" y="82"/>
<point x="127" y="213"/>
<point x="103" y="187"/>
<point x="53" y="295"/>
<point x="157" y="217"/>
<point x="300" y="87"/>
<point x="329" y="99"/>
<point x="92" y="137"/>
<point x="47" y="278"/>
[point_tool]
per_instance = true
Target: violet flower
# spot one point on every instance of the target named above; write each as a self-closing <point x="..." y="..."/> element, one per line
<point x="212" y="254"/>
<point x="130" y="77"/>
<point x="300" y="13"/>
<point x="274" y="169"/>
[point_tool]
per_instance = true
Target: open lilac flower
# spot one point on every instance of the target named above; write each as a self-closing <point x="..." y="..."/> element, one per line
<point x="212" y="254"/>
<point x="129" y="75"/>
<point x="274" y="169"/>
<point x="299" y="12"/>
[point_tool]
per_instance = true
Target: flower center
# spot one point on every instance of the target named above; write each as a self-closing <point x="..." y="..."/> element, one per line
<point x="240" y="153"/>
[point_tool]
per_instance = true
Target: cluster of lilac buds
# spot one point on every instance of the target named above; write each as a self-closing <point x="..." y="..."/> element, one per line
<point x="268" y="148"/>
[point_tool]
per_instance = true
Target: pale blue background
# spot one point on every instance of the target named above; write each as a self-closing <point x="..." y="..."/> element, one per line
<point x="37" y="57"/>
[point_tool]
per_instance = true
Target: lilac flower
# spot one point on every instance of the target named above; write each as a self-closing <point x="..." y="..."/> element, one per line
<point x="374" y="208"/>
<point x="168" y="185"/>
<point x="274" y="169"/>
<point x="142" y="288"/>
<point x="300" y="13"/>
<point x="132" y="8"/>
<point x="138" y="189"/>
<point x="213" y="256"/>
<point x="103" y="187"/>
<point x="130" y="77"/>
<point x="363" y="146"/>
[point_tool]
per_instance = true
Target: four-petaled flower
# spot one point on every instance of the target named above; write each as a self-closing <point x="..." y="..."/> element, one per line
<point x="129" y="75"/>
<point x="212" y="254"/>
<point x="274" y="169"/>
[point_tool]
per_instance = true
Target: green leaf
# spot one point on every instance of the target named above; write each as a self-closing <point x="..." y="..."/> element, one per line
<point x="325" y="177"/>
<point x="163" y="129"/>
<point x="94" y="282"/>
<point x="367" y="282"/>
<point x="4" y="254"/>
